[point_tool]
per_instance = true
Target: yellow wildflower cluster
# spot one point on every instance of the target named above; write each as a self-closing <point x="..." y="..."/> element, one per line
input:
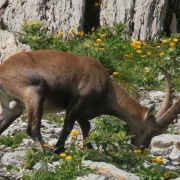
<point x="63" y="155"/>
<point x="158" y="160"/>
<point x="80" y="33"/>
<point x="136" y="44"/>
<point x="74" y="133"/>
<point x="164" y="40"/>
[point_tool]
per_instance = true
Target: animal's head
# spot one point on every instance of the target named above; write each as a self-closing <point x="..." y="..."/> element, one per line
<point x="152" y="125"/>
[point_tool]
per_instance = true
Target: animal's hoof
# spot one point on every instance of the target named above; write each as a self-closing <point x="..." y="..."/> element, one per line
<point x="59" y="149"/>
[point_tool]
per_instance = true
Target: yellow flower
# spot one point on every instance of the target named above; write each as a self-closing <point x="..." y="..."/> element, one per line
<point x="60" y="32"/>
<point x="171" y="44"/>
<point x="175" y="39"/>
<point x="161" y="53"/>
<point x="74" y="132"/>
<point x="96" y="4"/>
<point x="167" y="174"/>
<point x="147" y="71"/>
<point x="115" y="73"/>
<point x="80" y="33"/>
<point x="97" y="44"/>
<point x="46" y="145"/>
<point x="92" y="29"/>
<point x="164" y="40"/>
<point x="98" y="40"/>
<point x="158" y="160"/>
<point x="143" y="56"/>
<point x="158" y="47"/>
<point x="138" y="51"/>
<point x="62" y="155"/>
<point x="148" y="53"/>
<point x="103" y="35"/>
<point x="137" y="151"/>
<point x="101" y="49"/>
<point x="68" y="158"/>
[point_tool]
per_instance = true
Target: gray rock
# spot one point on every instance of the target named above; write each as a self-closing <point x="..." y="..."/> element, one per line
<point x="28" y="142"/>
<point x="175" y="155"/>
<point x="105" y="167"/>
<point x="166" y="140"/>
<point x="13" y="158"/>
<point x="9" y="45"/>
<point x="40" y="166"/>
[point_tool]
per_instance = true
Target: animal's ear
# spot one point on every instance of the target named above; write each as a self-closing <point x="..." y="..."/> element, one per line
<point x="149" y="111"/>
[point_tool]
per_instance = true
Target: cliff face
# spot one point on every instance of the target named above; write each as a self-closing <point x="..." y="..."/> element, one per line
<point x="56" y="14"/>
<point x="144" y="19"/>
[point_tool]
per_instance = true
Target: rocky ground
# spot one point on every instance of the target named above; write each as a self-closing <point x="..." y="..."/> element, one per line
<point x="166" y="145"/>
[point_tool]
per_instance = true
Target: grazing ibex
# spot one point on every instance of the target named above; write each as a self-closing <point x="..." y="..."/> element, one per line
<point x="48" y="81"/>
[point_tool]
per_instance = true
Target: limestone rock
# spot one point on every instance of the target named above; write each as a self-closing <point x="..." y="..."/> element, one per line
<point x="105" y="168"/>
<point x="143" y="18"/>
<point x="9" y="45"/>
<point x="175" y="155"/>
<point x="58" y="15"/>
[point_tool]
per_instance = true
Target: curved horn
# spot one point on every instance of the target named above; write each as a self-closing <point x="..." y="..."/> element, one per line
<point x="171" y="114"/>
<point x="168" y="97"/>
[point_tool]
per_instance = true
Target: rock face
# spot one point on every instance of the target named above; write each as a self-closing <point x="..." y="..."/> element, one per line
<point x="9" y="45"/>
<point x="144" y="19"/>
<point x="58" y="15"/>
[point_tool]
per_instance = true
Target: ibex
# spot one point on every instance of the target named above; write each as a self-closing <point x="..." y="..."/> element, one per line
<point x="48" y="81"/>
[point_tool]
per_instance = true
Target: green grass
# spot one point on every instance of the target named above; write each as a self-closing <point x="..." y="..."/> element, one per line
<point x="13" y="141"/>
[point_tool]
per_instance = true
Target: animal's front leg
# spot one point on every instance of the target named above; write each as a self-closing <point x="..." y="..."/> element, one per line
<point x="72" y="113"/>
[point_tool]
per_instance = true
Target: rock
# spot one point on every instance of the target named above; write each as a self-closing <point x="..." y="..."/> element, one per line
<point x="39" y="166"/>
<point x="175" y="155"/>
<point x="138" y="15"/>
<point x="28" y="142"/>
<point x="144" y="19"/>
<point x="9" y="45"/>
<point x="166" y="140"/>
<point x="13" y="158"/>
<point x="170" y="166"/>
<point x="58" y="15"/>
<point x="105" y="168"/>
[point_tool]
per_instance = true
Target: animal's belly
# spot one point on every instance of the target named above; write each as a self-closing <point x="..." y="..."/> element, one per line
<point x="52" y="107"/>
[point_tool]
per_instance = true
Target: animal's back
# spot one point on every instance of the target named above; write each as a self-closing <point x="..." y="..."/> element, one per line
<point x="65" y="74"/>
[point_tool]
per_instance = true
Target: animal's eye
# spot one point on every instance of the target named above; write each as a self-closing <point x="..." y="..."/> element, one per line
<point x="153" y="131"/>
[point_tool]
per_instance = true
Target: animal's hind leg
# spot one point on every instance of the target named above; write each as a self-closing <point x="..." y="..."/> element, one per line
<point x="85" y="127"/>
<point x="73" y="110"/>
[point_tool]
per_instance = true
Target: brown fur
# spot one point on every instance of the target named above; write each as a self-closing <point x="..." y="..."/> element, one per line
<point x="48" y="81"/>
